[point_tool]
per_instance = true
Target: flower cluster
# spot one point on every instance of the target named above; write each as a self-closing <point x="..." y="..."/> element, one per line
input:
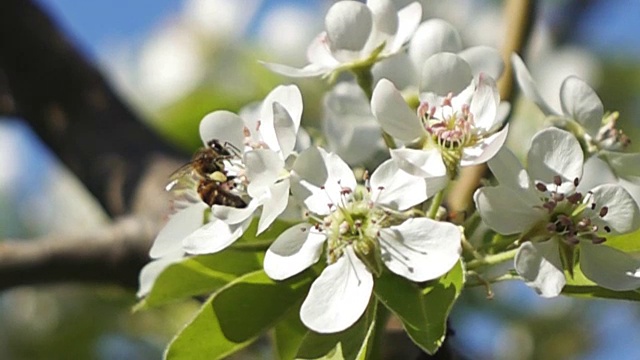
<point x="351" y="229"/>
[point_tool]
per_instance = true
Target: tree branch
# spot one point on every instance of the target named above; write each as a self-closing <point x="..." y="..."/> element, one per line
<point x="113" y="253"/>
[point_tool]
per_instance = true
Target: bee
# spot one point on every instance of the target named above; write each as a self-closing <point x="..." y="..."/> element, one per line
<point x="206" y="174"/>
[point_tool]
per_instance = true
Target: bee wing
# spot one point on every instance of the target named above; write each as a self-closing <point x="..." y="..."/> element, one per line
<point x="183" y="185"/>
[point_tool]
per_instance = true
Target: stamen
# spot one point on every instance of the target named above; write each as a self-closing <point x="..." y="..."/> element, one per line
<point x="603" y="211"/>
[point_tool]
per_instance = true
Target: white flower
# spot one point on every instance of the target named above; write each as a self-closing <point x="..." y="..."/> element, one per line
<point x="349" y="124"/>
<point x="263" y="144"/>
<point x="362" y="229"/>
<point x="558" y="222"/>
<point x="432" y="37"/>
<point x="583" y="114"/>
<point x="448" y="131"/>
<point x="356" y="35"/>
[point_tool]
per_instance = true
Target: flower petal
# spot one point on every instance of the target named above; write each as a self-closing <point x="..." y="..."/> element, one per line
<point x="297" y="248"/>
<point x="485" y="149"/>
<point x="408" y="19"/>
<point x="540" y="266"/>
<point x="528" y="86"/>
<point x="610" y="268"/>
<point x="320" y="178"/>
<point x="580" y="102"/>
<point x="433" y="36"/>
<point x="223" y="126"/>
<point x="180" y="225"/>
<point x="348" y="25"/>
<point x="507" y="210"/>
<point x="555" y="152"/>
<point x="232" y="215"/>
<point x="274" y="205"/>
<point x="624" y="165"/>
<point x="508" y="170"/>
<point x="445" y="73"/>
<point x="385" y="23"/>
<point x="213" y="237"/>
<point x="393" y="113"/>
<point x="421" y="249"/>
<point x="319" y="54"/>
<point x="596" y="172"/>
<point x="339" y="296"/>
<point x="423" y="163"/>
<point x="394" y="188"/>
<point x="483" y="59"/>
<point x="310" y="70"/>
<point x="279" y="123"/>
<point x="484" y="104"/>
<point x="263" y="167"/>
<point x="622" y="215"/>
<point x="153" y="269"/>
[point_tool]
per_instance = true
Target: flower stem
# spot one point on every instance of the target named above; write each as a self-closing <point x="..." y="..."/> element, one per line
<point x="435" y="204"/>
<point x="492" y="259"/>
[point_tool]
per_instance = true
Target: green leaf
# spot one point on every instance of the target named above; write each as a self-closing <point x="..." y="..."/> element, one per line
<point x="580" y="286"/>
<point x="237" y="314"/>
<point x="628" y="243"/>
<point x="200" y="275"/>
<point x="353" y="343"/>
<point x="289" y="334"/>
<point x="422" y="308"/>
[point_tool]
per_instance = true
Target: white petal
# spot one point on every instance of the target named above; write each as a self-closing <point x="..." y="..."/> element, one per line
<point x="596" y="172"/>
<point x="394" y="188"/>
<point x="213" y="237"/>
<point x="421" y="249"/>
<point x="485" y="149"/>
<point x="445" y="73"/>
<point x="224" y="126"/>
<point x="433" y="36"/>
<point x="555" y="152"/>
<point x="262" y="169"/>
<point x="483" y="59"/>
<point x="310" y="70"/>
<point x="507" y="169"/>
<point x="423" y="163"/>
<point x="540" y="266"/>
<point x="181" y="224"/>
<point x="609" y="267"/>
<point x="506" y="210"/>
<point x="339" y="296"/>
<point x="319" y="54"/>
<point x="320" y="178"/>
<point x="625" y="165"/>
<point x="232" y="215"/>
<point x="622" y="215"/>
<point x="528" y="86"/>
<point x="385" y="23"/>
<point x="153" y="269"/>
<point x="393" y="113"/>
<point x="484" y="104"/>
<point x="408" y="19"/>
<point x="274" y="205"/>
<point x="278" y="127"/>
<point x="348" y="25"/>
<point x="296" y="249"/>
<point x="580" y="102"/>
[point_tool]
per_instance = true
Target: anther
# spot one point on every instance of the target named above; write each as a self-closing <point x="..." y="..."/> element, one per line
<point x="557" y="180"/>
<point x="603" y="211"/>
<point x="576" y="182"/>
<point x="541" y="187"/>
<point x="607" y="228"/>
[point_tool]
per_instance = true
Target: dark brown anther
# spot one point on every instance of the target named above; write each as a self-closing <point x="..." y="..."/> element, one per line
<point x="557" y="180"/>
<point x="541" y="187"/>
<point x="607" y="228"/>
<point x="598" y="240"/>
<point x="576" y="182"/>
<point x="593" y="206"/>
<point x="603" y="211"/>
<point x="575" y="198"/>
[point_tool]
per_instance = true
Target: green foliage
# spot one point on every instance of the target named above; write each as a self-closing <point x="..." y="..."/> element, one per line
<point x="422" y="308"/>
<point x="580" y="286"/>
<point x="237" y="314"/>
<point x="200" y="275"/>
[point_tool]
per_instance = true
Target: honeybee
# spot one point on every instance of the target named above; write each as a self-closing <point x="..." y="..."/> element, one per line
<point x="206" y="174"/>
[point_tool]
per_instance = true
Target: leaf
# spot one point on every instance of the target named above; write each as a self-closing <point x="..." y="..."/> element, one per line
<point x="200" y="275"/>
<point x="237" y="314"/>
<point x="289" y="334"/>
<point x="353" y="343"/>
<point x="628" y="242"/>
<point x="422" y="308"/>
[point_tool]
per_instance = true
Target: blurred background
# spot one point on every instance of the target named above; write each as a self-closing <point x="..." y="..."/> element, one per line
<point x="174" y="61"/>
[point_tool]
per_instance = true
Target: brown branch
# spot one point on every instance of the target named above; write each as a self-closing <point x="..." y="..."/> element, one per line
<point x="71" y="107"/>
<point x="113" y="253"/>
<point x="520" y="15"/>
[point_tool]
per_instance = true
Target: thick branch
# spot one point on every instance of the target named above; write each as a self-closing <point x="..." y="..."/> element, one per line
<point x="114" y="253"/>
<point x="71" y="107"/>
